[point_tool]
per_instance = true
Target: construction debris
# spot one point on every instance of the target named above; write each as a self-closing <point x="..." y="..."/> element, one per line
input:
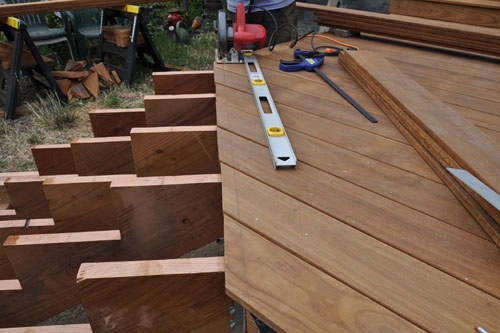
<point x="77" y="82"/>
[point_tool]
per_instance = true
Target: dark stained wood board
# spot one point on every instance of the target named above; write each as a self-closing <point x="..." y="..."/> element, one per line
<point x="486" y="14"/>
<point x="434" y="243"/>
<point x="181" y="295"/>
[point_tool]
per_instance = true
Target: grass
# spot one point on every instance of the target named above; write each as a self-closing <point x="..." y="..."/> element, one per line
<point x="46" y="120"/>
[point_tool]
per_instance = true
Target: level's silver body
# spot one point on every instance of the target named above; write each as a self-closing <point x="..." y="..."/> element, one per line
<point x="279" y="145"/>
<point x="478" y="186"/>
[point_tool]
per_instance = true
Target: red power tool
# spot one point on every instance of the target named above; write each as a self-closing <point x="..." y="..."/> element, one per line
<point x="237" y="37"/>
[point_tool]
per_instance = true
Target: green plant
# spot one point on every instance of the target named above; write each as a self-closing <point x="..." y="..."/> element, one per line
<point x="51" y="112"/>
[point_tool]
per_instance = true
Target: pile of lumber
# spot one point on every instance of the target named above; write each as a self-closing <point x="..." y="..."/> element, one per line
<point x="115" y="213"/>
<point x="441" y="136"/>
<point x="469" y="38"/>
<point x="485" y="13"/>
<point x="79" y="83"/>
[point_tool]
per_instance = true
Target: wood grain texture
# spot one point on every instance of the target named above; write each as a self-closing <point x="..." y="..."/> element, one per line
<point x="70" y="328"/>
<point x="459" y="12"/>
<point x="81" y="203"/>
<point x="183" y="150"/>
<point x="180" y="110"/>
<point x="185" y="82"/>
<point x="54" y="159"/>
<point x="448" y="137"/>
<point x="320" y="302"/>
<point x="103" y="156"/>
<point x="116" y="122"/>
<point x="324" y="193"/>
<point x="182" y="295"/>
<point x="46" y="265"/>
<point x="353" y="257"/>
<point x="18" y="227"/>
<point x="166" y="217"/>
<point x="27" y="197"/>
<point x="463" y="37"/>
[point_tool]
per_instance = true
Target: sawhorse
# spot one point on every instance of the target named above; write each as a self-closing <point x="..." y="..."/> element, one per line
<point x="129" y="53"/>
<point x="15" y="31"/>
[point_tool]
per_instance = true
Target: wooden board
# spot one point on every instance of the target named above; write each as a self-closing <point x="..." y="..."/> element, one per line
<point x="70" y="328"/>
<point x="446" y="136"/>
<point x="185" y="82"/>
<point x="356" y="175"/>
<point x="18" y="227"/>
<point x="27" y="197"/>
<point x="81" y="203"/>
<point x="116" y="122"/>
<point x="453" y="11"/>
<point x="310" y="312"/>
<point x="53" y="159"/>
<point x="182" y="150"/>
<point x="180" y="110"/>
<point x="46" y="265"/>
<point x="464" y="37"/>
<point x="181" y="295"/>
<point x="166" y="217"/>
<point x="103" y="156"/>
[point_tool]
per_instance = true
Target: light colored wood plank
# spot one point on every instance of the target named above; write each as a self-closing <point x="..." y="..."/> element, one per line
<point x="47" y="265"/>
<point x="166" y="217"/>
<point x="185" y="82"/>
<point x="181" y="295"/>
<point x="116" y="122"/>
<point x="70" y="328"/>
<point x="354" y="258"/>
<point x="180" y="110"/>
<point x="182" y="150"/>
<point x="9" y="285"/>
<point x="53" y="159"/>
<point x="103" y="156"/>
<point x="27" y="197"/>
<point x="320" y="302"/>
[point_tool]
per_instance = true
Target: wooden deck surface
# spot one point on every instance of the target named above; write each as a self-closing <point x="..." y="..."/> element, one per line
<point x="362" y="236"/>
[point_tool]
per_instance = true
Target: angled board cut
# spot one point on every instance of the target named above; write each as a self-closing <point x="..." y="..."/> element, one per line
<point x="166" y="217"/>
<point x="47" y="265"/>
<point x="180" y="110"/>
<point x="176" y="295"/>
<point x="27" y="197"/>
<point x="103" y="156"/>
<point x="116" y="122"/>
<point x="169" y="151"/>
<point x="54" y="159"/>
<point x="185" y="82"/>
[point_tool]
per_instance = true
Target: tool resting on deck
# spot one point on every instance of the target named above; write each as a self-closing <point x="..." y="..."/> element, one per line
<point x="311" y="61"/>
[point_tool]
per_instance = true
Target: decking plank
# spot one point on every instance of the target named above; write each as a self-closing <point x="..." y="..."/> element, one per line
<point x="185" y="82"/>
<point x="176" y="295"/>
<point x="180" y="110"/>
<point x="116" y="122"/>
